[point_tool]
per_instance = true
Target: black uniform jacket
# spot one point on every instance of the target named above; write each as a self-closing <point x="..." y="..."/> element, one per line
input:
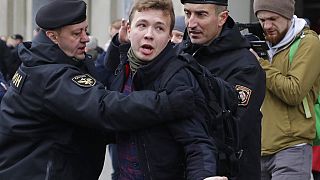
<point x="228" y="57"/>
<point x="172" y="151"/>
<point x="53" y="114"/>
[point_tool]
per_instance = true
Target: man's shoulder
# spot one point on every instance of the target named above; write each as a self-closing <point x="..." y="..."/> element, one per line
<point x="309" y="40"/>
<point x="309" y="32"/>
<point x="177" y="73"/>
<point x="50" y="71"/>
<point x="310" y="35"/>
<point x="241" y="57"/>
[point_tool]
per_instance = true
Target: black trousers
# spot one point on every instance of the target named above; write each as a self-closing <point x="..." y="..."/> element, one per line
<point x="316" y="175"/>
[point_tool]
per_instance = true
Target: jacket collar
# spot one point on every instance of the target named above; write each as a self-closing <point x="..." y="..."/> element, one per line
<point x="229" y="39"/>
<point x="151" y="71"/>
<point x="43" y="51"/>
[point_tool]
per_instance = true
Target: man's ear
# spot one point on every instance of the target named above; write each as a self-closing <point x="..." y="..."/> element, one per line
<point x="223" y="17"/>
<point x="53" y="36"/>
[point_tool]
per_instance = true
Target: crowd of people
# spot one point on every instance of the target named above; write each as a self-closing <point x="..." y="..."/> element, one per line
<point x="64" y="98"/>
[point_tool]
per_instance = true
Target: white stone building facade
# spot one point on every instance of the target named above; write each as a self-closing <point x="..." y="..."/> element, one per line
<point x="17" y="16"/>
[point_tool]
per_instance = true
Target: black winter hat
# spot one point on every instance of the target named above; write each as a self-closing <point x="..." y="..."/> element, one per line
<point x="16" y="37"/>
<point x="61" y="13"/>
<point x="218" y="2"/>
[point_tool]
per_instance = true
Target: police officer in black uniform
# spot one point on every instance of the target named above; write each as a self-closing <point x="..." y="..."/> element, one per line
<point x="215" y="42"/>
<point x="55" y="116"/>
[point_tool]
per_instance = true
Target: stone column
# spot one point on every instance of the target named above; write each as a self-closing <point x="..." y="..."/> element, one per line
<point x="13" y="17"/>
<point x="36" y="4"/>
<point x="178" y="8"/>
<point x="99" y="19"/>
<point x="240" y="11"/>
<point x="4" y="27"/>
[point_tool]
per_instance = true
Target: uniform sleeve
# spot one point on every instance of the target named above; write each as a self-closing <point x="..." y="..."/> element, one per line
<point x="192" y="134"/>
<point x="93" y="106"/>
<point x="250" y="82"/>
<point x="293" y="86"/>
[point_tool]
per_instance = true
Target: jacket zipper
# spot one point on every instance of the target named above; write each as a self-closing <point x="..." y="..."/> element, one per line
<point x="196" y="52"/>
<point x="48" y="170"/>
<point x="147" y="160"/>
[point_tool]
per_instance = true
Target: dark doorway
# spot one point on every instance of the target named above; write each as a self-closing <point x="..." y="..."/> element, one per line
<point x="310" y="9"/>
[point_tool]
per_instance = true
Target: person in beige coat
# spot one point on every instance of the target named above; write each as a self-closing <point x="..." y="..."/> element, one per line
<point x="287" y="127"/>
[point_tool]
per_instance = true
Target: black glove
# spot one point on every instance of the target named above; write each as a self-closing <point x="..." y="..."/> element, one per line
<point x="182" y="101"/>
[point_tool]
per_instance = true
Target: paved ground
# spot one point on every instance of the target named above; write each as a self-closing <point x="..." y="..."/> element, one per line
<point x="105" y="175"/>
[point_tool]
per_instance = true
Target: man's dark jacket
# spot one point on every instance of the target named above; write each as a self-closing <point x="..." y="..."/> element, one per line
<point x="9" y="60"/>
<point x="53" y="115"/>
<point x="181" y="150"/>
<point x="228" y="57"/>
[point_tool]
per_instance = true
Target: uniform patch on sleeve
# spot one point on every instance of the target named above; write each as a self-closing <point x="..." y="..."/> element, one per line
<point x="244" y="95"/>
<point x="84" y="80"/>
<point x="18" y="80"/>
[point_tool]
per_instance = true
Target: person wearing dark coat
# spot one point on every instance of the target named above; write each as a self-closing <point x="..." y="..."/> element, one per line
<point x="56" y="118"/>
<point x="219" y="46"/>
<point x="5" y="59"/>
<point x="181" y="150"/>
<point x="12" y="62"/>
